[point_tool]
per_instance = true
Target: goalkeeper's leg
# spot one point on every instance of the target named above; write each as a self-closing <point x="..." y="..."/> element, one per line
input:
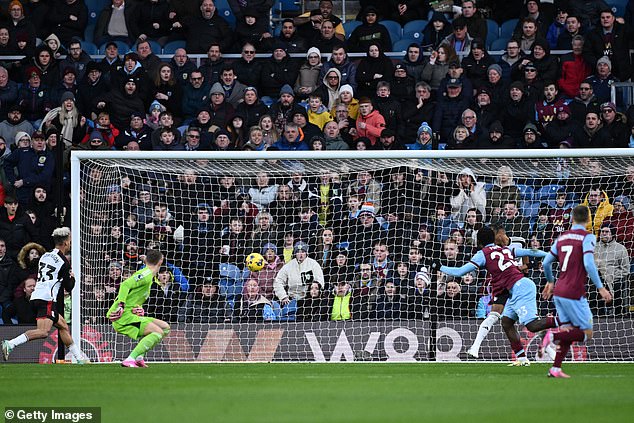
<point x="153" y="333"/>
<point x="483" y="331"/>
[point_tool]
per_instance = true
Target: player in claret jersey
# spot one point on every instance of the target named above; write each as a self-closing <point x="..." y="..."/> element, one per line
<point x="54" y="273"/>
<point x="506" y="276"/>
<point x="574" y="250"/>
<point x="497" y="301"/>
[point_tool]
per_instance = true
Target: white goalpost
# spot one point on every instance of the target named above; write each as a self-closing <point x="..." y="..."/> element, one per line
<point x="377" y="225"/>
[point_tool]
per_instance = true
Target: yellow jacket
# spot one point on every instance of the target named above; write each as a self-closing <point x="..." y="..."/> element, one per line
<point x="603" y="210"/>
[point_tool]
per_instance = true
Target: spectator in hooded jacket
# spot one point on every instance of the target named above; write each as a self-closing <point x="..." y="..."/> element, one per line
<point x="370" y="31"/>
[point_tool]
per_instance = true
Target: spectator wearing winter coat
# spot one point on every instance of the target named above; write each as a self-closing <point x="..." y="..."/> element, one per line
<point x="370" y="31"/>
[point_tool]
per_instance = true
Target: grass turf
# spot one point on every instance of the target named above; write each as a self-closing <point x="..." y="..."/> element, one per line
<point x="369" y="392"/>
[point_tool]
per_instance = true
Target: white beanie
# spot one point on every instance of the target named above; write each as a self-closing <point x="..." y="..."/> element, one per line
<point x="313" y="50"/>
<point x="20" y="135"/>
<point x="346" y="87"/>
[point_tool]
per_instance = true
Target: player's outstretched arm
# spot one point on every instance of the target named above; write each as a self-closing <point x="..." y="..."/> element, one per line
<point x="525" y="252"/>
<point x="547" y="264"/>
<point x="459" y="271"/>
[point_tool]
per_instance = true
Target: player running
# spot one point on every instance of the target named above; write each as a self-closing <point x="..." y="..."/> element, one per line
<point x="574" y="250"/>
<point x="497" y="301"/>
<point x="505" y="275"/>
<point x="127" y="315"/>
<point x="54" y="272"/>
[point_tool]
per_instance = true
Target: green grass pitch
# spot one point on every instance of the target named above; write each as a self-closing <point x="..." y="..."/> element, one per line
<point x="364" y="392"/>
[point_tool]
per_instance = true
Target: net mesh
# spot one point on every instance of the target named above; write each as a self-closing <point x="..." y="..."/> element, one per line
<point x="373" y="228"/>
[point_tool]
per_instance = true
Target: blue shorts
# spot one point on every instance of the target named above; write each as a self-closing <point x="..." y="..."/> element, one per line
<point x="575" y="312"/>
<point x="522" y="304"/>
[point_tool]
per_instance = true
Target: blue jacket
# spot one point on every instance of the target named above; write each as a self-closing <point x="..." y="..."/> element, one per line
<point x="34" y="168"/>
<point x="298" y="145"/>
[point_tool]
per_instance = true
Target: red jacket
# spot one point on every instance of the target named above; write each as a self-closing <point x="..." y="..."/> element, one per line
<point x="375" y="123"/>
<point x="573" y="71"/>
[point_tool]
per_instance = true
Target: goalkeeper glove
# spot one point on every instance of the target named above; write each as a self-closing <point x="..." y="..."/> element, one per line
<point x="116" y="315"/>
<point x="138" y="310"/>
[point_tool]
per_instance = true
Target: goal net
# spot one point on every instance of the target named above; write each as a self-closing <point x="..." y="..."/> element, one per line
<point x="372" y="227"/>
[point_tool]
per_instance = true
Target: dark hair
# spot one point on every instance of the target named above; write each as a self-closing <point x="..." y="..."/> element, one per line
<point x="580" y="214"/>
<point x="486" y="236"/>
<point x="153" y="257"/>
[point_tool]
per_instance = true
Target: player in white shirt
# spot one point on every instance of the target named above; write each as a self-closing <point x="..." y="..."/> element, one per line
<point x="54" y="273"/>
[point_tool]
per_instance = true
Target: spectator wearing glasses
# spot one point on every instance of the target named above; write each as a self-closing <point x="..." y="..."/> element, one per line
<point x="459" y="39"/>
<point x="347" y="68"/>
<point x="195" y="96"/>
<point x="584" y="100"/>
<point x="616" y="125"/>
<point x="510" y="60"/>
<point x="248" y="70"/>
<point x="194" y="141"/>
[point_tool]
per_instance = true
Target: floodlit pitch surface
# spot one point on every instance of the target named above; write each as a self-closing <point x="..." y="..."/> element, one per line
<point x="364" y="392"/>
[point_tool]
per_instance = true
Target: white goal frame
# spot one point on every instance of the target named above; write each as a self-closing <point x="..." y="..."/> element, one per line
<point x="78" y="156"/>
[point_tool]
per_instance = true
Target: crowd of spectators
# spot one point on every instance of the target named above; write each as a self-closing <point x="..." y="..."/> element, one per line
<point x="456" y="97"/>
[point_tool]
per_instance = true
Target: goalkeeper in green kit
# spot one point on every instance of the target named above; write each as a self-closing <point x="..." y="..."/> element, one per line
<point x="127" y="315"/>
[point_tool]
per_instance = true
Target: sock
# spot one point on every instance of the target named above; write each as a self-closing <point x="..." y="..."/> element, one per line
<point x="518" y="349"/>
<point x="18" y="340"/>
<point x="484" y="329"/>
<point x="570" y="336"/>
<point x="562" y="351"/>
<point x="146" y="344"/>
<point x="76" y="352"/>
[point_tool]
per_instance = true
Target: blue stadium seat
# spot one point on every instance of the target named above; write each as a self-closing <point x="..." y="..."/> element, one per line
<point x="228" y="16"/>
<point x="414" y="29"/>
<point x="526" y="192"/>
<point x="529" y="209"/>
<point x="123" y="47"/>
<point x="493" y="31"/>
<point x="156" y="47"/>
<point x="222" y="4"/>
<point x="283" y="6"/>
<point x="350" y="26"/>
<point x="499" y="44"/>
<point x="617" y="6"/>
<point x="94" y="8"/>
<point x="89" y="33"/>
<point x="507" y="28"/>
<point x="170" y="48"/>
<point x="547" y="192"/>
<point x="401" y="45"/>
<point x="394" y="28"/>
<point x="488" y="187"/>
<point x="89" y="48"/>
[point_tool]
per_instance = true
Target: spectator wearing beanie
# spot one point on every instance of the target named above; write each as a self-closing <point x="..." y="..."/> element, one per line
<point x="308" y="74"/>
